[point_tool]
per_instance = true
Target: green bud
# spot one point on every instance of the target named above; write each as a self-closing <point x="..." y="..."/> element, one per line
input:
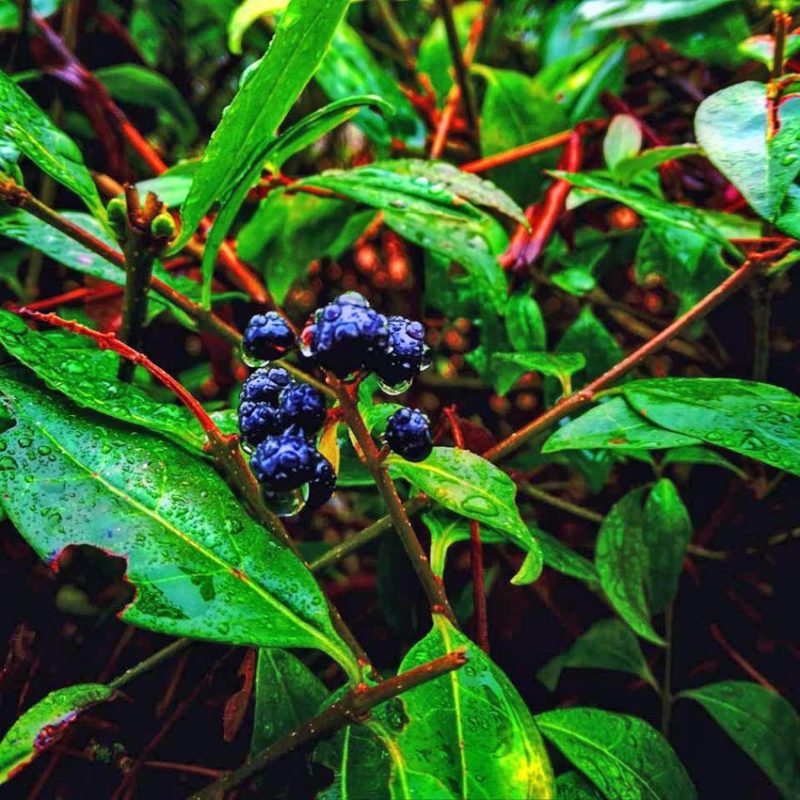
<point x="118" y="216"/>
<point x="163" y="226"/>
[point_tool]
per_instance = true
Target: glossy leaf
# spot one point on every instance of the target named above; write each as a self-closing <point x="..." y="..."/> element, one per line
<point x="40" y="726"/>
<point x="88" y="376"/>
<point x="732" y="127"/>
<point x="29" y="130"/>
<point x="201" y="567"/>
<point x="287" y="695"/>
<point x="471" y="732"/>
<point x="667" y="532"/>
<point x="762" y="47"/>
<point x="623" y="140"/>
<point x="471" y="486"/>
<point x="608" y="644"/>
<point x="621" y="559"/>
<point x="564" y="559"/>
<point x="614" y="424"/>
<point x="762" y="723"/>
<point x="758" y="420"/>
<point x="232" y="162"/>
<point x="696" y="454"/>
<point x="602" y="14"/>
<point x="525" y="324"/>
<point x="623" y="756"/>
<point x="628" y="169"/>
<point x="245" y="15"/>
<point x="510" y="367"/>
<point x="573" y="786"/>
<point x="349" y="68"/>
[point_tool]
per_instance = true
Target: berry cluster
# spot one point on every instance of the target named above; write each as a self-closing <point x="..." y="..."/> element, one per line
<point x="279" y="418"/>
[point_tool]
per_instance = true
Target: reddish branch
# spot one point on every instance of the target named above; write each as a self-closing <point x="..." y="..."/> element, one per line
<point x="739" y="659"/>
<point x="475" y="551"/>
<point x="518" y="153"/>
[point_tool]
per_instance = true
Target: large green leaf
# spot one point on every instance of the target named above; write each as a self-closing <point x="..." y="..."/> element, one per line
<point x="623" y="756"/>
<point x="525" y="324"/>
<point x="471" y="486"/>
<point x="564" y="559"/>
<point x="200" y="565"/>
<point x="621" y="559"/>
<point x="233" y="160"/>
<point x="614" y="424"/>
<point x="732" y="127"/>
<point x="758" y="420"/>
<point x="516" y="110"/>
<point x="602" y="14"/>
<point x="471" y="732"/>
<point x="288" y="694"/>
<point x="762" y="723"/>
<point x="40" y="726"/>
<point x="666" y="532"/>
<point x="88" y="376"/>
<point x="245" y="15"/>
<point x="29" y="130"/>
<point x="608" y="644"/>
<point x="508" y="368"/>
<point x="349" y="68"/>
<point x="574" y="786"/>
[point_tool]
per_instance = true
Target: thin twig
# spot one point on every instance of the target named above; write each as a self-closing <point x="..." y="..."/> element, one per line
<point x="739" y="659"/>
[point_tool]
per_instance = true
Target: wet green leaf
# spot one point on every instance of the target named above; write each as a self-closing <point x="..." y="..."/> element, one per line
<point x="621" y="559"/>
<point x="201" y="566"/>
<point x="623" y="140"/>
<point x="754" y="419"/>
<point x="608" y="644"/>
<point x="29" y="130"/>
<point x="603" y="14"/>
<point x="525" y="324"/>
<point x="287" y="695"/>
<point x="245" y="15"/>
<point x="623" y="756"/>
<point x="731" y="126"/>
<point x="573" y="786"/>
<point x="762" y="723"/>
<point x="471" y="486"/>
<point x="508" y="368"/>
<point x="696" y="454"/>
<point x="629" y="168"/>
<point x="564" y="559"/>
<point x="40" y="726"/>
<point x="610" y="425"/>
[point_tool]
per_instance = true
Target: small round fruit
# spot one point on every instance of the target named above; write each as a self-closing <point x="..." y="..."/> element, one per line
<point x="282" y="463"/>
<point x="408" y="433"/>
<point x="265" y="385"/>
<point x="259" y="420"/>
<point x="322" y="483"/>
<point x="406" y="353"/>
<point x="304" y="406"/>
<point x="267" y="337"/>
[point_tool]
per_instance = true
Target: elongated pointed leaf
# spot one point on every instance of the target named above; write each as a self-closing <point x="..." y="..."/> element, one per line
<point x="245" y="15"/>
<point x="510" y="367"/>
<point x="695" y="454"/>
<point x="40" y="726"/>
<point x="631" y="167"/>
<point x="564" y="559"/>
<point x="601" y="14"/>
<point x="200" y="566"/>
<point x="29" y="130"/>
<point x="623" y="756"/>
<point x="525" y="324"/>
<point x="762" y="723"/>
<point x="758" y="420"/>
<point x="621" y="559"/>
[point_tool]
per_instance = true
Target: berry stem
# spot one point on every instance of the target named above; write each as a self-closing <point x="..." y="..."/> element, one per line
<point x="433" y="587"/>
<point x="353" y="707"/>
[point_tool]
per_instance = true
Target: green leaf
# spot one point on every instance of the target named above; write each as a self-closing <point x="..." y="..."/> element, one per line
<point x="288" y="694"/>
<point x="132" y="83"/>
<point x="39" y="727"/>
<point x="667" y="532"/>
<point x="696" y="454"/>
<point x="508" y="368"/>
<point x="201" y="567"/>
<point x="171" y="186"/>
<point x="349" y="68"/>
<point x="245" y="15"/>
<point x="608" y="644"/>
<point x="629" y="168"/>
<point x="604" y="14"/>
<point x="525" y="324"/>
<point x="623" y="756"/>
<point x="762" y="48"/>
<point x="471" y="732"/>
<point x="623" y="140"/>
<point x="516" y="111"/>
<point x="288" y="231"/>
<point x="471" y="486"/>
<point x="564" y="559"/>
<point x="88" y="376"/>
<point x="621" y="559"/>
<point x="611" y="425"/>
<point x="754" y="419"/>
<point x="29" y="130"/>
<point x="573" y="786"/>
<point x="731" y="126"/>
<point x="234" y="157"/>
<point x="762" y="723"/>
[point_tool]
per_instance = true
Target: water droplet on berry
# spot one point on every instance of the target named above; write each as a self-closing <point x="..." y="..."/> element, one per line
<point x="394" y="388"/>
<point x="286" y="504"/>
<point x="252" y="362"/>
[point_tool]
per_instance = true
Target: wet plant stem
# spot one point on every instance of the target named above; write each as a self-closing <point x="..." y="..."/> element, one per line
<point x="353" y="707"/>
<point x="432" y="586"/>
<point x="153" y="661"/>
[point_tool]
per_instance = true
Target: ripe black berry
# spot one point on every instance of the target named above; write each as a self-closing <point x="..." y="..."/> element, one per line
<point x="408" y="433"/>
<point x="405" y="354"/>
<point x="257" y="421"/>
<point x="264" y="385"/>
<point x="322" y="483"/>
<point x="282" y="463"/>
<point x="266" y="338"/>
<point x="304" y="406"/>
<point x="346" y="334"/>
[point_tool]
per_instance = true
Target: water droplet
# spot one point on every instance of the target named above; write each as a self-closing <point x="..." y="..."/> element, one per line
<point x="398" y="203"/>
<point x="394" y="389"/>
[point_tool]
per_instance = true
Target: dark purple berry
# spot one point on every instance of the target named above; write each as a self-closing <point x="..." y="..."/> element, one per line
<point x="267" y="337"/>
<point x="282" y="463"/>
<point x="304" y="406"/>
<point x="257" y="421"/>
<point x="322" y="483"/>
<point x="265" y="385"/>
<point x="405" y="354"/>
<point x="408" y="433"/>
